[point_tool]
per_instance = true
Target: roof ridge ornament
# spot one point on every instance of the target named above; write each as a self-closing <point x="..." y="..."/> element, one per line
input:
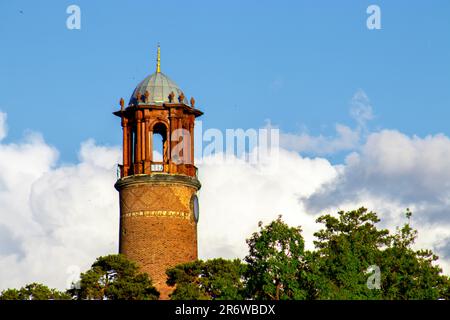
<point x="158" y="60"/>
<point x="122" y="104"/>
<point x="171" y="96"/>
<point x="181" y="97"/>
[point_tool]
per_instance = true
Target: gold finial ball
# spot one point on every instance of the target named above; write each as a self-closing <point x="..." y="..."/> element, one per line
<point x="122" y="103"/>
<point x="192" y="102"/>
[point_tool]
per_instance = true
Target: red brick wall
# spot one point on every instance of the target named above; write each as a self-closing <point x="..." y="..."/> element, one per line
<point x="157" y="228"/>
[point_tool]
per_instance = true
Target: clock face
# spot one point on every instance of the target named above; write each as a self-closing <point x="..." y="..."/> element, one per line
<point x="195" y="208"/>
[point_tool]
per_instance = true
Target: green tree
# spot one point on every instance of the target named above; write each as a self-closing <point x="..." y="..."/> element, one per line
<point x="217" y="279"/>
<point x="409" y="273"/>
<point x="114" y="277"/>
<point x="34" y="291"/>
<point x="278" y="267"/>
<point x="10" y="294"/>
<point x="348" y="245"/>
<point x="351" y="243"/>
<point x="444" y="288"/>
<point x="276" y="264"/>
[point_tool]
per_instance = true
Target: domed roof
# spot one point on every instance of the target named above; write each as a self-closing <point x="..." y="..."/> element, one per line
<point x="159" y="87"/>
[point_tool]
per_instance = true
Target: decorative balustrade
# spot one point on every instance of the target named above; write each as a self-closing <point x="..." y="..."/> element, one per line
<point x="157" y="167"/>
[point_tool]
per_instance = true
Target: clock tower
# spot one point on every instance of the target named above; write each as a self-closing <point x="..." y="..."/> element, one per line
<point x="158" y="179"/>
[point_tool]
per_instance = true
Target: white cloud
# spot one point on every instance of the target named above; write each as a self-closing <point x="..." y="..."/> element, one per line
<point x="237" y="195"/>
<point x="361" y="108"/>
<point x="389" y="173"/>
<point x="345" y="139"/>
<point x="392" y="172"/>
<point x="393" y="165"/>
<point x="55" y="216"/>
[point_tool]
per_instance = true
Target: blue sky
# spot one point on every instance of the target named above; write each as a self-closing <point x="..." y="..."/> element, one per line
<point x="302" y="65"/>
<point x="297" y="63"/>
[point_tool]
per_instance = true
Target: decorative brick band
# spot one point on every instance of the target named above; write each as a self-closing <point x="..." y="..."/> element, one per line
<point x="158" y="213"/>
<point x="157" y="178"/>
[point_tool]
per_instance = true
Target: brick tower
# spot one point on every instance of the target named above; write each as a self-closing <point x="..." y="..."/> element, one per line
<point x="158" y="180"/>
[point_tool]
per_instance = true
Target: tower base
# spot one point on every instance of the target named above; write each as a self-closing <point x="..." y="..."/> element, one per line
<point x="157" y="225"/>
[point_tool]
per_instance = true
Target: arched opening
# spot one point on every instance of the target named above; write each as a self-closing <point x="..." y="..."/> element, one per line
<point x="159" y="139"/>
<point x="158" y="147"/>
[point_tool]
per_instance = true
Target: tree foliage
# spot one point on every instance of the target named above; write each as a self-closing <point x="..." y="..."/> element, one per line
<point x="217" y="279"/>
<point x="34" y="291"/>
<point x="275" y="263"/>
<point x="353" y="259"/>
<point x="348" y="245"/>
<point x="409" y="273"/>
<point x="351" y="244"/>
<point x="114" y="277"/>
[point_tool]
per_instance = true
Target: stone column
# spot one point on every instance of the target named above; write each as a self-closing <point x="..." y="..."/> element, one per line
<point x="171" y="127"/>
<point x="191" y="131"/>
<point x="148" y="157"/>
<point x="125" y="150"/>
<point x="143" y="141"/>
<point x="180" y="129"/>
<point x="129" y="143"/>
<point x="138" y="152"/>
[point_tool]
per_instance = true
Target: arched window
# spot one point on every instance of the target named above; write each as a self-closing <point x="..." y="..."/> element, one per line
<point x="159" y="143"/>
<point x="158" y="147"/>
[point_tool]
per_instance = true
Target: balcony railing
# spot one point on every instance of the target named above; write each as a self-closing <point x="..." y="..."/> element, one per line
<point x="148" y="168"/>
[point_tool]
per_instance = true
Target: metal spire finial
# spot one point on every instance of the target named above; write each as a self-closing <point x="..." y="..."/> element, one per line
<point x="158" y="60"/>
